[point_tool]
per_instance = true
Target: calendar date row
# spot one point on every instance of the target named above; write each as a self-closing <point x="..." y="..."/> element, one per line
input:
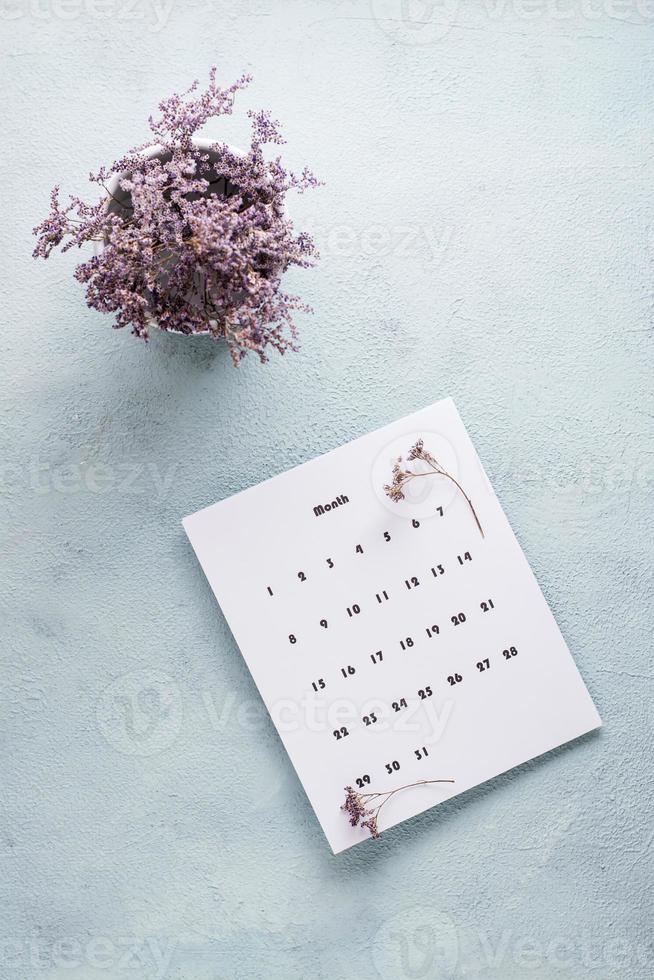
<point x="424" y="693"/>
<point x="410" y="582"/>
<point x="392" y="767"/>
<point x="455" y="619"/>
<point x="406" y="644"/>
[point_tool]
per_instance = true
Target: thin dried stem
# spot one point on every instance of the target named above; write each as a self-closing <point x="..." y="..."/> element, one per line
<point x="401" y="478"/>
<point x="470" y="505"/>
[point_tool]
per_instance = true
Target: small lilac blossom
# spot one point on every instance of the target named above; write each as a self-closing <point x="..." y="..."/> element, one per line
<point x="401" y="476"/>
<point x="194" y="242"/>
<point x="371" y="824"/>
<point x="354" y="806"/>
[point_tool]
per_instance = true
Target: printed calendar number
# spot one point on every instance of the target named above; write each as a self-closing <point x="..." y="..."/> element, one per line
<point x="510" y="653"/>
<point x="302" y="577"/>
<point x="483" y="665"/>
<point x="411" y="583"/>
<point x="292" y="638"/>
<point x="458" y="618"/>
<point x="454" y="679"/>
<point x="362" y="781"/>
<point x="425" y="692"/>
<point x="377" y="657"/>
<point x="319" y="685"/>
<point x="432" y="631"/>
<point x="392" y="767"/>
<point x="437" y="571"/>
<point x="466" y="556"/>
<point x="398" y="705"/>
<point x="353" y="610"/>
<point x="420" y="753"/>
<point x="323" y="623"/>
<point x="406" y="643"/>
<point x="382" y="596"/>
<point x="339" y="733"/>
<point x="486" y="605"/>
<point x="370" y="719"/>
<point x="387" y="535"/>
<point x="348" y="671"/>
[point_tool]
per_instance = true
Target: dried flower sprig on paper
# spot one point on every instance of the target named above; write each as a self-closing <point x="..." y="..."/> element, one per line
<point x="363" y="808"/>
<point x="402" y="476"/>
<point x="192" y="240"/>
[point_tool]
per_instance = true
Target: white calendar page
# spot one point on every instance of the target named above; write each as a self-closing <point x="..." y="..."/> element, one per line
<point x="391" y="642"/>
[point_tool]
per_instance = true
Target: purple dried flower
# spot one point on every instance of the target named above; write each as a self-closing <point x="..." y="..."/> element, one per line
<point x="371" y="824"/>
<point x="194" y="241"/>
<point x="354" y="806"/>
<point x="357" y="807"/>
<point x="395" y="489"/>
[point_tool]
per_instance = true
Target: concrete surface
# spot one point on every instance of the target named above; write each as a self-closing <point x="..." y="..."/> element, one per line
<point x="486" y="233"/>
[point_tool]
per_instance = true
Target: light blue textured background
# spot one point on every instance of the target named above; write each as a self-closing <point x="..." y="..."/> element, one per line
<point x="486" y="234"/>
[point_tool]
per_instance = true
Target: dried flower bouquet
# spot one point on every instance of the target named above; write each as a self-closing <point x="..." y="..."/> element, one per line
<point x="194" y="241"/>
